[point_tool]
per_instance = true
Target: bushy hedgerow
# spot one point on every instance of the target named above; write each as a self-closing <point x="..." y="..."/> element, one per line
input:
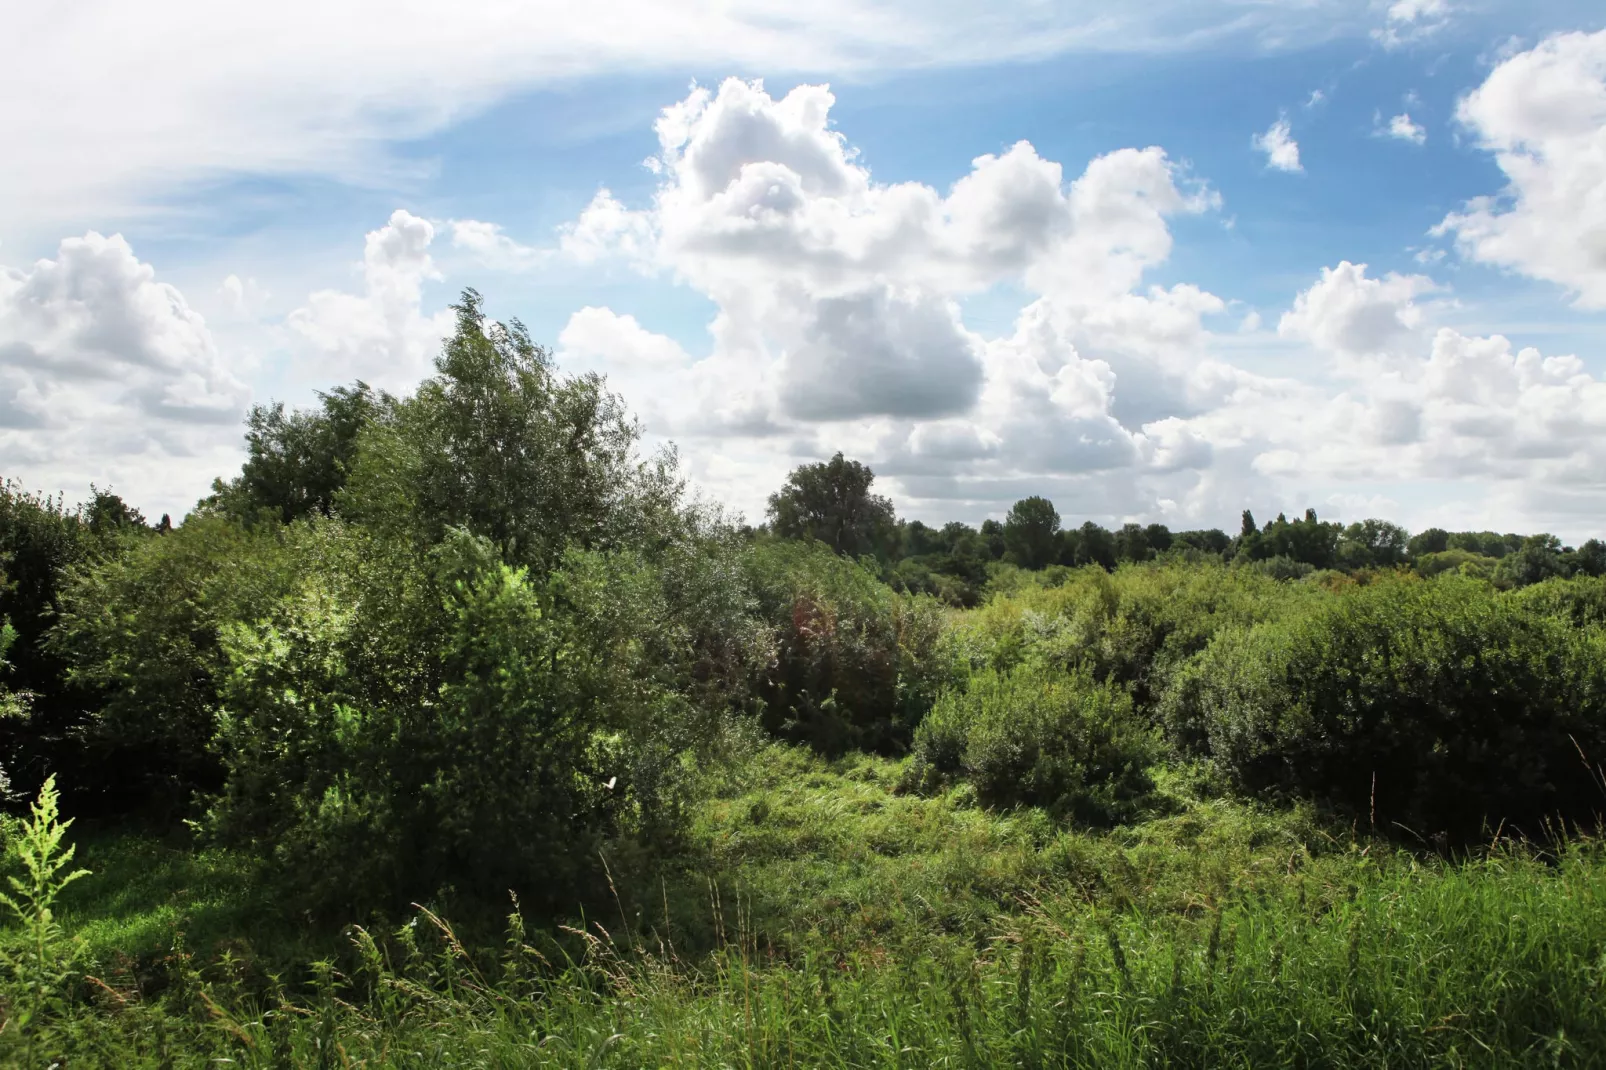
<point x="1039" y="736"/>
<point x="856" y="664"/>
<point x="1580" y="601"/>
<point x="1443" y="707"/>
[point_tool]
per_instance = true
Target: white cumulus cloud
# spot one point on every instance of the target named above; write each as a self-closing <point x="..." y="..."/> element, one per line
<point x="108" y="376"/>
<point x="1347" y="313"/>
<point x="837" y="324"/>
<point x="381" y="334"/>
<point x="1543" y="114"/>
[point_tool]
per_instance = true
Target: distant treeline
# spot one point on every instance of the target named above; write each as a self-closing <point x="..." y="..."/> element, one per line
<point x="831" y="501"/>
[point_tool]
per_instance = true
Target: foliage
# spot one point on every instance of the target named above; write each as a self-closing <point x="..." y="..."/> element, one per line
<point x="1441" y="707"/>
<point x="1372" y="544"/>
<point x="296" y="463"/>
<point x="1463" y="562"/>
<point x="1134" y="626"/>
<point x="507" y="645"/>
<point x="1279" y="567"/>
<point x="42" y="540"/>
<point x="39" y="963"/>
<point x="1538" y="559"/>
<point x="1309" y="541"/>
<point x="856" y="664"/>
<point x="13" y="704"/>
<point x="438" y="648"/>
<point x="847" y="926"/>
<point x="499" y="444"/>
<point x="400" y="725"/>
<point x="831" y="502"/>
<point x="140" y="633"/>
<point x="1031" y="532"/>
<point x="1039" y="736"/>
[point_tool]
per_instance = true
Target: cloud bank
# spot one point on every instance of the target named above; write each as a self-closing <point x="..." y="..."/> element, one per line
<point x="841" y="322"/>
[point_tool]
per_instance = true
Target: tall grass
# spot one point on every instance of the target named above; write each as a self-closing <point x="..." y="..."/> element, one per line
<point x="1211" y="937"/>
<point x="1496" y="963"/>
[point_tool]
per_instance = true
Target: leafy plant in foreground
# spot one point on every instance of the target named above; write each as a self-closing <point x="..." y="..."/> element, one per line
<point x="39" y="962"/>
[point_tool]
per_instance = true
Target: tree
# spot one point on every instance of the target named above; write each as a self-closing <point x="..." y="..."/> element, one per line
<point x="1031" y="532"/>
<point x="1590" y="558"/>
<point x="992" y="537"/>
<point x="1309" y="541"/>
<point x="499" y="444"/>
<point x="509" y="645"/>
<point x="1431" y="541"/>
<point x="1211" y="541"/>
<point x="297" y="462"/>
<point x="1132" y="543"/>
<point x="831" y="501"/>
<point x="1539" y="558"/>
<point x="43" y="541"/>
<point x="1375" y="543"/>
<point x="1095" y="546"/>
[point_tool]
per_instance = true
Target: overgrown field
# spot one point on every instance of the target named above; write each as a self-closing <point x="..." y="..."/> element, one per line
<point x="821" y="919"/>
<point x="453" y="732"/>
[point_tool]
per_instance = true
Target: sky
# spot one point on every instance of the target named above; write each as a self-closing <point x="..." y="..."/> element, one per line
<point x="1158" y="262"/>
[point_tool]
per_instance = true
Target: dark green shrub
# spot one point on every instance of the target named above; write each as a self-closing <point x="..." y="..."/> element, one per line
<point x="42" y="541"/>
<point x="857" y="664"/>
<point x="1443" y="707"/>
<point x="1038" y="736"/>
<point x="140" y="634"/>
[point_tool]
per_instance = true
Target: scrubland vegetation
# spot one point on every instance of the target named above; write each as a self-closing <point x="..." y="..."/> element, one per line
<point x="453" y="732"/>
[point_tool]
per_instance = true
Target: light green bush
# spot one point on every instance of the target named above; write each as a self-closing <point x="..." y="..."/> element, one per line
<point x="1038" y="736"/>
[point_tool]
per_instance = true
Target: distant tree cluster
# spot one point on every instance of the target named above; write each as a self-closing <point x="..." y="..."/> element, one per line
<point x="833" y="503"/>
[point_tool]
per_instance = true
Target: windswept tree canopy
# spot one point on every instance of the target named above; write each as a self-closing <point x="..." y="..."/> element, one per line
<point x="297" y="461"/>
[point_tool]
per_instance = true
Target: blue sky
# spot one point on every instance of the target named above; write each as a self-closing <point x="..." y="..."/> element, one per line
<point x="255" y="209"/>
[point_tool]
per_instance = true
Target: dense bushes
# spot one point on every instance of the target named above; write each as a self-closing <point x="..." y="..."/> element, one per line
<point x="1132" y="627"/>
<point x="1039" y="736"/>
<point x="856" y="663"/>
<point x="1439" y="707"/>
<point x="398" y="725"/>
<point x="140" y="633"/>
<point x="42" y="541"/>
<point x="506" y="645"/>
<point x="466" y="637"/>
<point x="1443" y="707"/>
